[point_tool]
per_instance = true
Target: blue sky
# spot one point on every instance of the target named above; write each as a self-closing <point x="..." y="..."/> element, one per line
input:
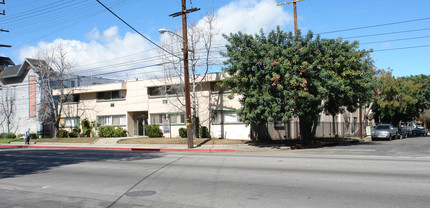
<point x="97" y="41"/>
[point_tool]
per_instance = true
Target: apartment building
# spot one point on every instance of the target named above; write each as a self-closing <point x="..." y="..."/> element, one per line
<point x="133" y="104"/>
<point x="21" y="95"/>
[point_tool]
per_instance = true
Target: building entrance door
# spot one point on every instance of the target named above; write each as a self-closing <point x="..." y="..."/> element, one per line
<point x="140" y="119"/>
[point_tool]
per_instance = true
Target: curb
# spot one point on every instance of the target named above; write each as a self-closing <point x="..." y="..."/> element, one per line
<point x="121" y="148"/>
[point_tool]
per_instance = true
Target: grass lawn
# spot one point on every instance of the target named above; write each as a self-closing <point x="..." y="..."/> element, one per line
<point x="7" y="141"/>
<point x="66" y="140"/>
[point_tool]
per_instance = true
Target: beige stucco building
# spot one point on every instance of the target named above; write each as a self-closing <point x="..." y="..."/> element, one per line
<point x="132" y="104"/>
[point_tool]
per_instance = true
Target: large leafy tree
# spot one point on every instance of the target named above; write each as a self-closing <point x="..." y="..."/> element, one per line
<point x="396" y="99"/>
<point x="280" y="76"/>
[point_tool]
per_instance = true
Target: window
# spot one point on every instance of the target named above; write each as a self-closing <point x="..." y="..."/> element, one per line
<point x="166" y="90"/>
<point x="111" y="95"/>
<point x="223" y="117"/>
<point x="114" y="120"/>
<point x="175" y="118"/>
<point x="216" y="88"/>
<point x="71" y="99"/>
<point x="69" y="122"/>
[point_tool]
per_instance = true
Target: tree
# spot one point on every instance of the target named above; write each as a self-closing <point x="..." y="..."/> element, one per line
<point x="53" y="68"/>
<point x="396" y="99"/>
<point x="7" y="109"/>
<point x="200" y="45"/>
<point x="281" y="77"/>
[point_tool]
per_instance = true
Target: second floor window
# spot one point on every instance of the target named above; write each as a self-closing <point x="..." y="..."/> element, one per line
<point x="111" y="95"/>
<point x="166" y="90"/>
<point x="71" y="99"/>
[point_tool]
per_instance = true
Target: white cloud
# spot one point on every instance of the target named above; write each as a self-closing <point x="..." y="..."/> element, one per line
<point x="102" y="53"/>
<point x="107" y="50"/>
<point x="249" y="16"/>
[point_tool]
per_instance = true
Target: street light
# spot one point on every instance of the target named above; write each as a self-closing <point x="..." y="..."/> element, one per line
<point x="187" y="86"/>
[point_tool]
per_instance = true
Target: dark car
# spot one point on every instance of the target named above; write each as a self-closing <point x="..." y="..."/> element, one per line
<point x="419" y="131"/>
<point x="402" y="133"/>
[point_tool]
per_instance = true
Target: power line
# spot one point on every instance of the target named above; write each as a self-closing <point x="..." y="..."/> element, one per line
<point x="379" y="25"/>
<point x="401" y="39"/>
<point x="392" y="49"/>
<point x="387" y="33"/>
<point x="136" y="30"/>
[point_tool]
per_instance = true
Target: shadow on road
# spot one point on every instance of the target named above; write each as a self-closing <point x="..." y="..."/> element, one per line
<point x="15" y="163"/>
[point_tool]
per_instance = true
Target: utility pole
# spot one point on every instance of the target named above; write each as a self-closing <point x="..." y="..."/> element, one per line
<point x="361" y="118"/>
<point x="295" y="13"/>
<point x="1" y="30"/>
<point x="184" y="13"/>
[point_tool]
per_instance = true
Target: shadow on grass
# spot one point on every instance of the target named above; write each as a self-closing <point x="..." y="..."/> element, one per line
<point x="15" y="162"/>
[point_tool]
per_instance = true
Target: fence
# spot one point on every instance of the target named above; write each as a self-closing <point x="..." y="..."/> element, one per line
<point x="292" y="130"/>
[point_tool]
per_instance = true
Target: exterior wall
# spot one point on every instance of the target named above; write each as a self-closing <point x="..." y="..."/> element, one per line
<point x="19" y="90"/>
<point x="214" y="108"/>
<point x="139" y="102"/>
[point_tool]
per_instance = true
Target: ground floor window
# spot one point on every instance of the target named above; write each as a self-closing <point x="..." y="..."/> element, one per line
<point x="69" y="122"/>
<point x="226" y="117"/>
<point x="175" y="118"/>
<point x="112" y="120"/>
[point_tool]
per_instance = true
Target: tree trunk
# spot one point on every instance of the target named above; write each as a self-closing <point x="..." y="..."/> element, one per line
<point x="196" y="126"/>
<point x="334" y="124"/>
<point x="306" y="131"/>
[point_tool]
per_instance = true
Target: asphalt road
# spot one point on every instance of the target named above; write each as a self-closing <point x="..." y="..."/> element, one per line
<point x="377" y="174"/>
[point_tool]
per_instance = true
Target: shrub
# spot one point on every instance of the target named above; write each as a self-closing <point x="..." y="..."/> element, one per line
<point x="183" y="132"/>
<point x="120" y="132"/>
<point x="106" y="131"/>
<point x="33" y="136"/>
<point x="86" y="127"/>
<point x="153" y="130"/>
<point x="74" y="133"/>
<point x="63" y="133"/>
<point x="7" y="136"/>
<point x="204" y="133"/>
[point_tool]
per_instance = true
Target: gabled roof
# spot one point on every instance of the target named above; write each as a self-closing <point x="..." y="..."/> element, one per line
<point x="11" y="71"/>
<point x="6" y="61"/>
<point x="18" y="70"/>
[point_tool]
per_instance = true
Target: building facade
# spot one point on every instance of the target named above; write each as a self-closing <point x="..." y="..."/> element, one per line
<point x="134" y="104"/>
<point x="21" y="95"/>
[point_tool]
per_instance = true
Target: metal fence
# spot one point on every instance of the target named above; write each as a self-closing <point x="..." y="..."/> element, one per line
<point x="292" y="130"/>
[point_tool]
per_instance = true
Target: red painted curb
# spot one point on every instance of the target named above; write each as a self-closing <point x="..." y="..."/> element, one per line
<point x="121" y="148"/>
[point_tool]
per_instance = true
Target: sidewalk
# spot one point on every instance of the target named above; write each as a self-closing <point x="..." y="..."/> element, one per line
<point x="111" y="144"/>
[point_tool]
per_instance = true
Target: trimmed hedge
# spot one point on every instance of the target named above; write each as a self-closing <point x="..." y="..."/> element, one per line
<point x="110" y="131"/>
<point x="63" y="133"/>
<point x="153" y="131"/>
<point x="204" y="133"/>
<point x="7" y="136"/>
<point x="183" y="132"/>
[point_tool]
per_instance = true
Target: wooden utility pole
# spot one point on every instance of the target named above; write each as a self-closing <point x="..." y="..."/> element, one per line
<point x="295" y="12"/>
<point x="184" y="13"/>
<point x="361" y="118"/>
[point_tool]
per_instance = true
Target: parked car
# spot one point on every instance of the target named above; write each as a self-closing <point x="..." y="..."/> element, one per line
<point x="402" y="133"/>
<point x="419" y="131"/>
<point x="384" y="131"/>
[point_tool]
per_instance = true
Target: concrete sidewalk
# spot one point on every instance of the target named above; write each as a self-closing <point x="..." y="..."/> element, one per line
<point x="111" y="144"/>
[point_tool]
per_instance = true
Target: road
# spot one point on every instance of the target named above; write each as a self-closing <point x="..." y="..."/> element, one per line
<point x="379" y="174"/>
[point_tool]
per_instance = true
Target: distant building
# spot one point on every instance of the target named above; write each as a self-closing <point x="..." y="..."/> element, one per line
<point x="21" y="95"/>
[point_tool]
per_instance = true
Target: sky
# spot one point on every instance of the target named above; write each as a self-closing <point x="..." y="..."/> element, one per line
<point x="98" y="43"/>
